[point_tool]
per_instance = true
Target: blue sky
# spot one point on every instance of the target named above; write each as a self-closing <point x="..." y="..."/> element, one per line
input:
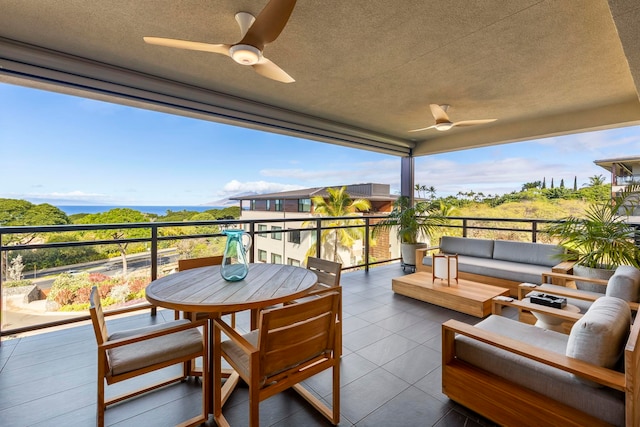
<point x="66" y="150"/>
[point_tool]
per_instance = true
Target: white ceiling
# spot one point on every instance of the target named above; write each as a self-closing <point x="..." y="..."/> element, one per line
<point x="366" y="70"/>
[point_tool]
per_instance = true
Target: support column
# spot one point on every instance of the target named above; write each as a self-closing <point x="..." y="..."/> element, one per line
<point x="407" y="176"/>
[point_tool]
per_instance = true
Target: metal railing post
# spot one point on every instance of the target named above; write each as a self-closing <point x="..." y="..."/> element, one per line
<point x="366" y="244"/>
<point x="252" y="233"/>
<point x="154" y="260"/>
<point x="318" y="235"/>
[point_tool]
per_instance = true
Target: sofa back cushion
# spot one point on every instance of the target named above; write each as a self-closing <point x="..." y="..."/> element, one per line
<point x="481" y="248"/>
<point x="625" y="283"/>
<point x="528" y="253"/>
<point x="600" y="336"/>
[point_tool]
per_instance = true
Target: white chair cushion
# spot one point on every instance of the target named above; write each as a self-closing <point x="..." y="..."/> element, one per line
<point x="155" y="350"/>
<point x="624" y="284"/>
<point x="599" y="337"/>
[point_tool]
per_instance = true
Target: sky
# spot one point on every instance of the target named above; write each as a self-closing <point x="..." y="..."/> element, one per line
<point x="67" y="150"/>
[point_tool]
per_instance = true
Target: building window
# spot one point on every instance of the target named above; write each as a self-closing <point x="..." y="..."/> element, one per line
<point x="279" y="205"/>
<point x="293" y="262"/>
<point x="253" y="205"/>
<point x="268" y="205"/>
<point x="276" y="235"/>
<point x="304" y="205"/>
<point x="262" y="227"/>
<point x="276" y="259"/>
<point x="294" y="236"/>
<point x="262" y="255"/>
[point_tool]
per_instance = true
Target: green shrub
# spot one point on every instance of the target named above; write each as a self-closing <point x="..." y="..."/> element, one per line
<point x="17" y="283"/>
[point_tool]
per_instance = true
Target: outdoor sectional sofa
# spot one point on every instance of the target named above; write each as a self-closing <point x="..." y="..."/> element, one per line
<point x="518" y="374"/>
<point x="501" y="263"/>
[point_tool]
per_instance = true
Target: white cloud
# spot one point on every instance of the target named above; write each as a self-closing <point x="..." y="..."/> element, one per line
<point x="492" y="176"/>
<point x="383" y="171"/>
<point x="235" y="187"/>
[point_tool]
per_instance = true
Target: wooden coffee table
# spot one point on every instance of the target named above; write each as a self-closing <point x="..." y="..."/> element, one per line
<point x="465" y="296"/>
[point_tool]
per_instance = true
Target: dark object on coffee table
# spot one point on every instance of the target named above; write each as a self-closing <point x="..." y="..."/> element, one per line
<point x="548" y="300"/>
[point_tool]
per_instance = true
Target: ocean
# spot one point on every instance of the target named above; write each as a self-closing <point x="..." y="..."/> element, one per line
<point x="158" y="210"/>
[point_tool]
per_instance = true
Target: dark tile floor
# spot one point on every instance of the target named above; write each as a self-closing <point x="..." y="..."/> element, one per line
<point x="390" y="372"/>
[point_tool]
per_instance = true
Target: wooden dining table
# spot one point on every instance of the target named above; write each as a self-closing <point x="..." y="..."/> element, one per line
<point x="203" y="290"/>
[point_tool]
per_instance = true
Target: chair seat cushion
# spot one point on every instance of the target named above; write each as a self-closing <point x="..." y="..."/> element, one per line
<point x="155" y="350"/>
<point x="239" y="357"/>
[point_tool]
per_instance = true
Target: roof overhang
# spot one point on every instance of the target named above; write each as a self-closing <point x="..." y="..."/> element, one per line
<point x="365" y="71"/>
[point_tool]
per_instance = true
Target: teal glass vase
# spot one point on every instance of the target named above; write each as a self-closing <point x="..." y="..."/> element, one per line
<point x="235" y="264"/>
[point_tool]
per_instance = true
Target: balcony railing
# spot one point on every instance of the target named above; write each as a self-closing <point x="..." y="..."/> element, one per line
<point x="161" y="243"/>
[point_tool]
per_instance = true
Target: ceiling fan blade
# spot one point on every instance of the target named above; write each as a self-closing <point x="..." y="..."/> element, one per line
<point x="269" y="23"/>
<point x="473" y="122"/>
<point x="270" y="70"/>
<point x="418" y="130"/>
<point x="438" y="113"/>
<point x="185" y="44"/>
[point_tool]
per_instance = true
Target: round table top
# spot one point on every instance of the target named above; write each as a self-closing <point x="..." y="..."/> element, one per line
<point x="204" y="290"/>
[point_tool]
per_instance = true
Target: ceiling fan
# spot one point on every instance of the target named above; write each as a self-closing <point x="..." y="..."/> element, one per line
<point x="255" y="34"/>
<point x="443" y="122"/>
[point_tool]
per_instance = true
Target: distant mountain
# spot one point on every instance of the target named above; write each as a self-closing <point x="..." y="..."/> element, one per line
<point x="227" y="202"/>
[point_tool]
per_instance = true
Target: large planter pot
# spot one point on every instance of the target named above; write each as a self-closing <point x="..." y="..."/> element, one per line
<point x="593" y="273"/>
<point x="408" y="251"/>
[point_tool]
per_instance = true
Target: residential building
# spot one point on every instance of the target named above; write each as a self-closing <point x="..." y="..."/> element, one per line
<point x="624" y="171"/>
<point x="289" y="245"/>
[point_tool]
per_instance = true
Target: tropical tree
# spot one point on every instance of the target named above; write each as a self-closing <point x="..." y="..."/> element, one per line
<point x="16" y="212"/>
<point x="118" y="216"/>
<point x="338" y="204"/>
<point x="529" y="185"/>
<point x="596" y="180"/>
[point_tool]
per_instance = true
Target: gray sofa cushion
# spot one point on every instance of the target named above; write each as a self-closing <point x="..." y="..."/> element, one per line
<point x="603" y="403"/>
<point x="482" y="248"/>
<point x="507" y="270"/>
<point x="599" y="337"/>
<point x="624" y="284"/>
<point x="528" y="253"/>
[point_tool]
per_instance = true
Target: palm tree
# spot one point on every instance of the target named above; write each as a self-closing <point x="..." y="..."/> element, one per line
<point x="596" y="180"/>
<point x="338" y="204"/>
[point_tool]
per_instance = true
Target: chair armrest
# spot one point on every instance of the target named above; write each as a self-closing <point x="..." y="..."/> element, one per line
<point x="147" y="336"/>
<point x="565" y="267"/>
<point x="560" y="291"/>
<point x="548" y="277"/>
<point x="233" y="335"/>
<point x="598" y="374"/>
<point x="425" y="250"/>
<point x="538" y="308"/>
<point x="571" y="293"/>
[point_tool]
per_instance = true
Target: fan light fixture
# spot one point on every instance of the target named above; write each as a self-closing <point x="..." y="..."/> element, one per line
<point x="443" y="126"/>
<point x="443" y="123"/>
<point x="245" y="54"/>
<point x="255" y="34"/>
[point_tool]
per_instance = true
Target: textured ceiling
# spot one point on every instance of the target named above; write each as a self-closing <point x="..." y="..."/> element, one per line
<point x="366" y="70"/>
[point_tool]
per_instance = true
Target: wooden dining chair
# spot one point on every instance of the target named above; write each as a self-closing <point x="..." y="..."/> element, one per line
<point x="328" y="272"/>
<point x="127" y="354"/>
<point x="292" y="343"/>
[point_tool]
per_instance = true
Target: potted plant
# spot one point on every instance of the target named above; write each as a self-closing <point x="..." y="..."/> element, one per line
<point x="412" y="223"/>
<point x="602" y="239"/>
